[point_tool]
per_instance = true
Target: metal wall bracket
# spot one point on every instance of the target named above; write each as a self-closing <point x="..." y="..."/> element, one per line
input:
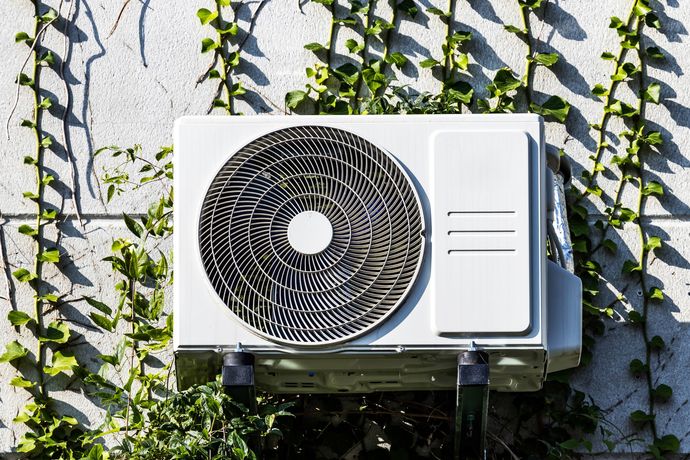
<point x="238" y="378"/>
<point x="472" y="404"/>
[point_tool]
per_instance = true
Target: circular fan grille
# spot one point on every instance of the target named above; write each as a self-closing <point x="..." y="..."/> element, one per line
<point x="313" y="284"/>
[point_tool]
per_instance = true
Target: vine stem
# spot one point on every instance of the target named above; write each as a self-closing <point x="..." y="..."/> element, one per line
<point x="225" y="77"/>
<point x="448" y="65"/>
<point x="606" y="116"/>
<point x="527" y="77"/>
<point x="365" y="47"/>
<point x="644" y="251"/>
<point x="38" y="165"/>
<point x="331" y="35"/>
<point x="133" y="293"/>
<point x="387" y="46"/>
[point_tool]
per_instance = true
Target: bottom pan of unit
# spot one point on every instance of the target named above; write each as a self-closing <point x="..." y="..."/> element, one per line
<point x="510" y="370"/>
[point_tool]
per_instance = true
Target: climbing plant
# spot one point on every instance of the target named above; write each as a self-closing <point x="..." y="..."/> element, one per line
<point x="49" y="359"/>
<point x="150" y="419"/>
<point x="226" y="54"/>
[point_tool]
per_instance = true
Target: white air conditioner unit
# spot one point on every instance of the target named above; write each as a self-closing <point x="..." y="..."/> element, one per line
<point x="364" y="253"/>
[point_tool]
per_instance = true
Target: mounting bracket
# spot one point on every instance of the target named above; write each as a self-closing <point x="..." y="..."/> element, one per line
<point x="238" y="378"/>
<point x="472" y="404"/>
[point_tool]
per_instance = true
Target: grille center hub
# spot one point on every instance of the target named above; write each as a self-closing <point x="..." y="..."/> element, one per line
<point x="310" y="232"/>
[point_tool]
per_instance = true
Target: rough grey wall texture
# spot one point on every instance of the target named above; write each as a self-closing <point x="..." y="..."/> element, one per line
<point x="128" y="87"/>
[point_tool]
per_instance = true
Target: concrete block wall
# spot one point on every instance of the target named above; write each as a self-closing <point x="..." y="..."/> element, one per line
<point x="128" y="79"/>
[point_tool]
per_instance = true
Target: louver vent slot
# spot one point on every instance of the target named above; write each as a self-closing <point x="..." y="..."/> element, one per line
<point x="311" y="235"/>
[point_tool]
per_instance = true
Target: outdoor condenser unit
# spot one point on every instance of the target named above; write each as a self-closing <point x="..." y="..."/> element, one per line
<point x="365" y="253"/>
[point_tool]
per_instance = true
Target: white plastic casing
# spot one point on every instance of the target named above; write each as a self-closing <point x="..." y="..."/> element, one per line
<point x="481" y="182"/>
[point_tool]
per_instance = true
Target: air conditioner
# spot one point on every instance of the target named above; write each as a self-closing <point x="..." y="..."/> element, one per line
<point x="364" y="253"/>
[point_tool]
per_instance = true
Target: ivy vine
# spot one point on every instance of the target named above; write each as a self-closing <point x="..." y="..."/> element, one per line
<point x="149" y="419"/>
<point x="49" y="434"/>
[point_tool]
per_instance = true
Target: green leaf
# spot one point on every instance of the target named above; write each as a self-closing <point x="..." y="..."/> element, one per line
<point x="101" y="321"/>
<point x="357" y="7"/>
<point x="607" y="56"/>
<point x="637" y="367"/>
<point x="62" y="362"/>
<point x="462" y="61"/>
<point x="555" y="106"/>
<point x="409" y="7"/>
<point x="49" y="15"/>
<point x="653" y="21"/>
<point x="621" y="109"/>
<point x="21" y="37"/>
<point x="208" y="44"/>
<point x="653" y="188"/>
<point x="631" y="266"/>
<point x="51" y="256"/>
<point x="133" y="226"/>
<point x="546" y="59"/>
<point x="353" y="46"/>
<point x="49" y="214"/>
<point x="652" y="93"/>
<point x="438" y="12"/>
<point x="668" y="443"/>
<point x="654" y="138"/>
<point x="505" y="81"/>
<point x="615" y="23"/>
<point x="13" y="351"/>
<point x="640" y="416"/>
<point x="514" y="30"/>
<point x="27" y="230"/>
<point x="627" y="70"/>
<point x="57" y="331"/>
<point x="657" y="343"/>
<point x="206" y="16"/>
<point x="656" y="294"/>
<point x="396" y="59"/>
<point x="20" y="382"/>
<point x="18" y="318"/>
<point x="461" y="91"/>
<point x="98" y="305"/>
<point x="655" y="53"/>
<point x="314" y="47"/>
<point x="427" y="63"/>
<point x="350" y="21"/>
<point x="641" y="8"/>
<point x="50" y="298"/>
<point x="379" y="26"/>
<point x="23" y="275"/>
<point x="47" y="59"/>
<point x="348" y="72"/>
<point x="294" y="99"/>
<point x="25" y="80"/>
<point x="237" y="89"/>
<point x="635" y="317"/>
<point x="531" y="4"/>
<point x="653" y="242"/>
<point x="46" y="103"/>
<point x="570" y="444"/>
<point x="599" y="90"/>
<point x="232" y="29"/>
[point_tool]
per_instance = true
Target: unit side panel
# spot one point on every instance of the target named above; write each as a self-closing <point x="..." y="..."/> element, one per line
<point x="481" y="244"/>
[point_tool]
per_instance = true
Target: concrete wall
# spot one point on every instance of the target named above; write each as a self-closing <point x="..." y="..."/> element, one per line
<point x="129" y="84"/>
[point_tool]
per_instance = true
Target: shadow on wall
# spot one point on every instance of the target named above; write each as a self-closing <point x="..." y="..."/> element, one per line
<point x="487" y="61"/>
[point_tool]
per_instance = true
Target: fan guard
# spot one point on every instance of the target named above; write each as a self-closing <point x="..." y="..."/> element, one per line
<point x="311" y="288"/>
